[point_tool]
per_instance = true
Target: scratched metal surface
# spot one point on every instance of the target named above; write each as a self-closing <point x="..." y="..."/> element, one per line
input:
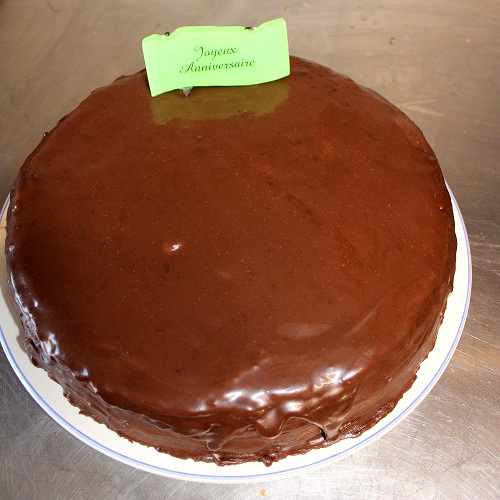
<point x="439" y="61"/>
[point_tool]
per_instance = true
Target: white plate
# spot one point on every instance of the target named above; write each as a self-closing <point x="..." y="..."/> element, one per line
<point x="49" y="394"/>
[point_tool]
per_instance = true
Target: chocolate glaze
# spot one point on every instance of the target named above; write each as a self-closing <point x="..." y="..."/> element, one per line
<point x="238" y="275"/>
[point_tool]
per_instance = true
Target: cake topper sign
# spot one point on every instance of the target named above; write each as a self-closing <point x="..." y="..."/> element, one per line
<point x="216" y="56"/>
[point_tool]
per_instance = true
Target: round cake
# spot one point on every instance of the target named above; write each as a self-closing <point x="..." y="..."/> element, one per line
<point x="237" y="275"/>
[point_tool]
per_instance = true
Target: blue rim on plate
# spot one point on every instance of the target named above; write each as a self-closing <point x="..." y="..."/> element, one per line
<point x="267" y="473"/>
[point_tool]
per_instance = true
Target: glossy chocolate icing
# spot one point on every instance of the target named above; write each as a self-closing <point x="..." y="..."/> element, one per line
<point x="238" y="275"/>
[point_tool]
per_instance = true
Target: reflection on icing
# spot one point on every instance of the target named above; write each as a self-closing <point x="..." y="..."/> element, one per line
<point x="292" y="407"/>
<point x="202" y="104"/>
<point x="27" y="316"/>
<point x="50" y="345"/>
<point x="232" y="396"/>
<point x="261" y="398"/>
<point x="302" y="330"/>
<point x="82" y="374"/>
<point x="332" y="377"/>
<point x="201" y="406"/>
<point x="249" y="372"/>
<point x="335" y="376"/>
<point x="171" y="247"/>
<point x="350" y="374"/>
<point x="295" y="389"/>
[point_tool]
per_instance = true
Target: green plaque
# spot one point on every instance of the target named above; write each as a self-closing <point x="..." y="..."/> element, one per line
<point x="196" y="56"/>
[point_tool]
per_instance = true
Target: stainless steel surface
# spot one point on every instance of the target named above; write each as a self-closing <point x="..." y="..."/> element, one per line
<point x="438" y="60"/>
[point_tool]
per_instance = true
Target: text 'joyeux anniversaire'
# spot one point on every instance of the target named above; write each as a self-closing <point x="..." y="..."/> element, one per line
<point x="213" y="59"/>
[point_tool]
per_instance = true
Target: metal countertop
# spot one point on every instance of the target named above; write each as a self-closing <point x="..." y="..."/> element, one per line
<point x="439" y="62"/>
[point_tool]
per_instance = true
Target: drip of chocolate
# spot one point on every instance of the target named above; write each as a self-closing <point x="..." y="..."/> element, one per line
<point x="241" y="275"/>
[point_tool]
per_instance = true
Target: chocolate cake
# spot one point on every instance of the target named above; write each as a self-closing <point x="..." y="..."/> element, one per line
<point x="237" y="275"/>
